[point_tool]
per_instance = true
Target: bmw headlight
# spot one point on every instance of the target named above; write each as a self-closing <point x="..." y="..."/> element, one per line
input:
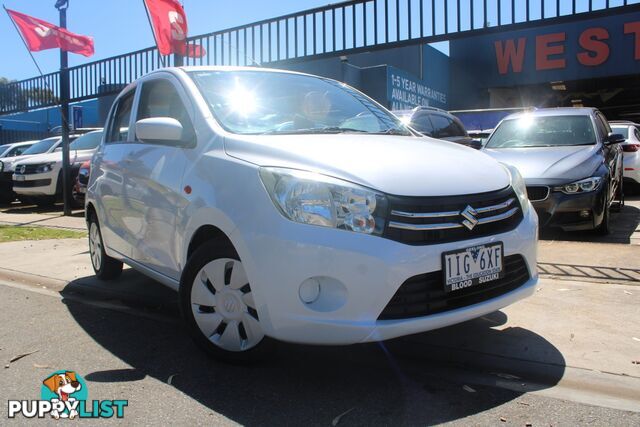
<point x="582" y="186"/>
<point x="44" y="168"/>
<point x="315" y="199"/>
<point x="519" y="186"/>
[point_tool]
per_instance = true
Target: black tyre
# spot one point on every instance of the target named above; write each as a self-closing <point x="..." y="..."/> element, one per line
<point x="619" y="204"/>
<point x="218" y="307"/>
<point x="105" y="267"/>
<point x="604" y="228"/>
<point x="44" y="201"/>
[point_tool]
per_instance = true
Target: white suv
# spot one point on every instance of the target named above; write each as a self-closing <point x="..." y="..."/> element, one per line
<point x="39" y="178"/>
<point x="291" y="207"/>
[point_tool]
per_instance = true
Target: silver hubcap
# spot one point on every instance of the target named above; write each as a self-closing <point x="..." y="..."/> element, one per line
<point x="95" y="246"/>
<point x="223" y="306"/>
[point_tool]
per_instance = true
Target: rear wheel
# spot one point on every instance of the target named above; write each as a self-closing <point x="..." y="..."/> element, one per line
<point x="218" y="306"/>
<point x="105" y="267"/>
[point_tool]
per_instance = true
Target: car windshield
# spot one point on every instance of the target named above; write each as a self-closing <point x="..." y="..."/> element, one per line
<point x="42" y="146"/>
<point x="622" y="130"/>
<point x="88" y="141"/>
<point x="260" y="102"/>
<point x="543" y="131"/>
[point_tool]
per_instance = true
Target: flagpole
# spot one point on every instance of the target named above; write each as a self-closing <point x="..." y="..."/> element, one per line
<point x="153" y="31"/>
<point x="24" y="42"/>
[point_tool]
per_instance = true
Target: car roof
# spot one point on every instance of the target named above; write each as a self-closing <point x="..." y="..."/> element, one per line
<point x="18" y="144"/>
<point x="622" y="125"/>
<point x="554" y="112"/>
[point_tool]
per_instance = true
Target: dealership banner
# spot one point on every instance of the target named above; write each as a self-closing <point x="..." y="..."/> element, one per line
<point x="405" y="91"/>
<point x="603" y="47"/>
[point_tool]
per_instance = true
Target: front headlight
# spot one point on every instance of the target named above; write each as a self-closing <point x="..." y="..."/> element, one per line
<point x="315" y="199"/>
<point x="519" y="186"/>
<point x="582" y="186"/>
<point x="44" y="168"/>
<point x="1" y="166"/>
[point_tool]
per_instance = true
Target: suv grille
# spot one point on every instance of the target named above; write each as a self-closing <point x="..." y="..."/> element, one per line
<point x="537" y="193"/>
<point x="424" y="294"/>
<point x="433" y="220"/>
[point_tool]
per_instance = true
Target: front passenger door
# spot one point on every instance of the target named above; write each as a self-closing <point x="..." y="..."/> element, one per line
<point x="153" y="183"/>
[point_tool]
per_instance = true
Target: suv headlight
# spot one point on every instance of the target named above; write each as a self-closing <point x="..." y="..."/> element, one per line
<point x="315" y="199"/>
<point x="44" y="168"/>
<point x="582" y="186"/>
<point x="519" y="186"/>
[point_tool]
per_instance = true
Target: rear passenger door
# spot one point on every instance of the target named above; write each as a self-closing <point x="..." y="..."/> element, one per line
<point x="153" y="179"/>
<point x="108" y="177"/>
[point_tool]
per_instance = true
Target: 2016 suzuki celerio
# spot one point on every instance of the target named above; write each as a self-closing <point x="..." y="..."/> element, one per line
<point x="284" y="206"/>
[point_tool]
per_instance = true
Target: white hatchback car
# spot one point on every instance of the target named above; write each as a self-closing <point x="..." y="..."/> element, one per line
<point x="630" y="149"/>
<point x="291" y="207"/>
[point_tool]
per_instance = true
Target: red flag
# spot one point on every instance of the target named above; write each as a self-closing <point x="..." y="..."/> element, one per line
<point x="40" y="35"/>
<point x="170" y="28"/>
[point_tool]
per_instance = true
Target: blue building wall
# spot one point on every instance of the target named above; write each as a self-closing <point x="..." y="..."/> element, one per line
<point x="46" y="119"/>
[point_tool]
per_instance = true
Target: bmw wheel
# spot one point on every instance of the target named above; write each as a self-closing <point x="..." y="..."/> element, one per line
<point x="604" y="228"/>
<point x="104" y="266"/>
<point x="218" y="306"/>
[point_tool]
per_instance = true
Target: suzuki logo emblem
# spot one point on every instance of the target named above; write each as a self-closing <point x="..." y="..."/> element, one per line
<point x="23" y="169"/>
<point x="469" y="214"/>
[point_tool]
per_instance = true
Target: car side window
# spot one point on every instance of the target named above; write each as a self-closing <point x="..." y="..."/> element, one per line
<point x="16" y="151"/>
<point x="444" y="127"/>
<point x="119" y="127"/>
<point x="637" y="134"/>
<point x="159" y="98"/>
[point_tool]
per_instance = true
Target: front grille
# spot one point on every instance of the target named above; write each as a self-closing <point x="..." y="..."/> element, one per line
<point x="433" y="220"/>
<point x="424" y="294"/>
<point x="26" y="169"/>
<point x="34" y="183"/>
<point x="537" y="192"/>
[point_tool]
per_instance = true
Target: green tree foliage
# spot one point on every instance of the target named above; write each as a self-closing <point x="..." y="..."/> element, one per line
<point x="15" y="97"/>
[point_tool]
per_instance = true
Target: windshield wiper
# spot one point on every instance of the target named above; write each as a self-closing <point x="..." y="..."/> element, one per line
<point x="327" y="129"/>
<point x="395" y="131"/>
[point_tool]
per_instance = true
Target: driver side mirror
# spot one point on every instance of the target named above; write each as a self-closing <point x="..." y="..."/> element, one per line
<point x="161" y="130"/>
<point x="615" y="138"/>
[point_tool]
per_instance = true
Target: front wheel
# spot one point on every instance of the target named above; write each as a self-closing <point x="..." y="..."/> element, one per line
<point x="218" y="306"/>
<point x="105" y="267"/>
<point x="617" y="207"/>
<point x="45" y="201"/>
<point x="604" y="228"/>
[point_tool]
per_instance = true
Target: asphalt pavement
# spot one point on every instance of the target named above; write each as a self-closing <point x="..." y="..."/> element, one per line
<point x="562" y="357"/>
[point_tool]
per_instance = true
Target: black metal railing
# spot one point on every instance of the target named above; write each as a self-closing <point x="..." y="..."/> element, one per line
<point x="341" y="28"/>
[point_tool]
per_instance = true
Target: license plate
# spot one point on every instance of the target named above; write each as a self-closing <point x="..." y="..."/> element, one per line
<point x="19" y="177"/>
<point x="472" y="266"/>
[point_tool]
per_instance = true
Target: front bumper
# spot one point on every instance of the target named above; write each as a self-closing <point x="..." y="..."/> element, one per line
<point x="561" y="210"/>
<point x="37" y="184"/>
<point x="361" y="273"/>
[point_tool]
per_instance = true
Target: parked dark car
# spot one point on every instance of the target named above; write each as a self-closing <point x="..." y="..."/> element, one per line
<point x="439" y="124"/>
<point x="570" y="160"/>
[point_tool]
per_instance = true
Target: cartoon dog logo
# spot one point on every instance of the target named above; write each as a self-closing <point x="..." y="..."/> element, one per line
<point x="63" y="384"/>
